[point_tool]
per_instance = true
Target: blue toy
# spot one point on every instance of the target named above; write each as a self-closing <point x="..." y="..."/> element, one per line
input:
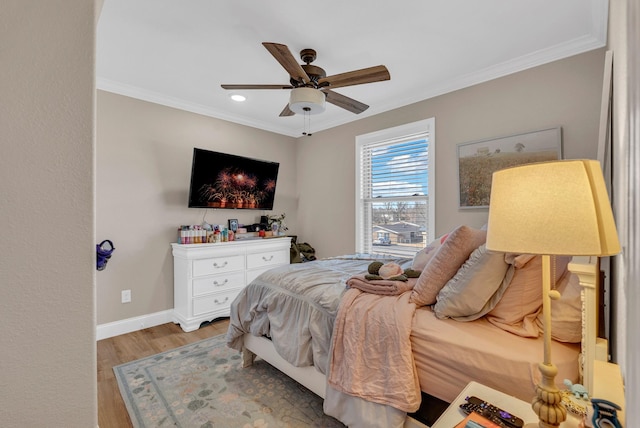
<point x="578" y="390"/>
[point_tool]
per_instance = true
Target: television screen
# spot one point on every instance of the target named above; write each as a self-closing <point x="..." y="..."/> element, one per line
<point x="220" y="180"/>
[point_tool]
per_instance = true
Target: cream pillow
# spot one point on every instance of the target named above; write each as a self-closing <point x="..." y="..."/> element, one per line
<point x="469" y="294"/>
<point x="445" y="263"/>
<point x="566" y="313"/>
<point x="516" y="312"/>
<point x="423" y="256"/>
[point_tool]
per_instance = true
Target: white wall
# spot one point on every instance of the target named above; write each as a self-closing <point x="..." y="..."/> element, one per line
<point x="618" y="45"/>
<point x="47" y="265"/>
<point x="144" y="154"/>
<point x="563" y="93"/>
<point x="624" y="19"/>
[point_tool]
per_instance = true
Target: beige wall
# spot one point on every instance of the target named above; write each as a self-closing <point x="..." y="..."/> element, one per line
<point x="47" y="333"/>
<point x="144" y="154"/>
<point x="565" y="93"/>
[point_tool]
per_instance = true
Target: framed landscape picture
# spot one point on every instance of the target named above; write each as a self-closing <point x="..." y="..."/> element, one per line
<point x="478" y="160"/>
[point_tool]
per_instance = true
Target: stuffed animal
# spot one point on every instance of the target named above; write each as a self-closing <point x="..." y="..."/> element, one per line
<point x="392" y="271"/>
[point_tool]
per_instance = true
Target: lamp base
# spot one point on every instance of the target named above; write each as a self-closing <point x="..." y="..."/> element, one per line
<point x="547" y="403"/>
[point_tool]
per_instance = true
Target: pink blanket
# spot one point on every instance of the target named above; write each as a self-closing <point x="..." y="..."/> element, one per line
<point x="386" y="287"/>
<point x="371" y="350"/>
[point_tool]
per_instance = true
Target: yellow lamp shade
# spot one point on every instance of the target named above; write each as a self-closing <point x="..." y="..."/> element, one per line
<point x="554" y="208"/>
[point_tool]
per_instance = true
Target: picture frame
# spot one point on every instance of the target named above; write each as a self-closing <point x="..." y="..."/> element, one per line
<point x="233" y="224"/>
<point x="478" y="160"/>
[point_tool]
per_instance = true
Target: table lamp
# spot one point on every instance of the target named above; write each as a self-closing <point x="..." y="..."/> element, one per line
<point x="551" y="208"/>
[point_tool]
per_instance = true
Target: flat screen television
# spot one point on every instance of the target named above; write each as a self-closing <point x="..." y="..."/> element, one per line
<point x="221" y="180"/>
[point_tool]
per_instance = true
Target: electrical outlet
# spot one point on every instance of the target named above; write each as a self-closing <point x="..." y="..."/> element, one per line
<point x="126" y="296"/>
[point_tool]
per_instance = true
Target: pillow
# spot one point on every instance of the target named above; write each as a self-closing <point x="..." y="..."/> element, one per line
<point x="516" y="312"/>
<point x="423" y="256"/>
<point x="468" y="295"/>
<point x="445" y="263"/>
<point x="566" y="313"/>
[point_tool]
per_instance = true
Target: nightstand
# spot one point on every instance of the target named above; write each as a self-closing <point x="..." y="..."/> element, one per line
<point x="517" y="407"/>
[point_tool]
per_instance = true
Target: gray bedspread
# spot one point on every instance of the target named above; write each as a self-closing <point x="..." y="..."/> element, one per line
<point x="296" y="305"/>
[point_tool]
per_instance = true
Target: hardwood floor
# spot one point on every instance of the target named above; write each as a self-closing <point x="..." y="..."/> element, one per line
<point x="113" y="351"/>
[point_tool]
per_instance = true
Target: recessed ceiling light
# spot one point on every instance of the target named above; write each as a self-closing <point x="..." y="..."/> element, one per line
<point x="239" y="98"/>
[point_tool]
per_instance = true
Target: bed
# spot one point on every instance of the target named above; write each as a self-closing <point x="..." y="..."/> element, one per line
<point x="286" y="316"/>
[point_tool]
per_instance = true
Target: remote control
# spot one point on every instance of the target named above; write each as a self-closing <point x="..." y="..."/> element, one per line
<point x="491" y="412"/>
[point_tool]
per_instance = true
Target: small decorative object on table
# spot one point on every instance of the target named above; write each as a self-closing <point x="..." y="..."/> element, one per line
<point x="576" y="398"/>
<point x="576" y="406"/>
<point x="277" y="224"/>
<point x="233" y="224"/>
<point x="605" y="414"/>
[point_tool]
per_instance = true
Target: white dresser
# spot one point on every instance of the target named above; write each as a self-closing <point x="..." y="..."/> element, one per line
<point x="207" y="277"/>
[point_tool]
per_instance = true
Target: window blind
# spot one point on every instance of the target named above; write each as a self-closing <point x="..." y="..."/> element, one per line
<point x="393" y="195"/>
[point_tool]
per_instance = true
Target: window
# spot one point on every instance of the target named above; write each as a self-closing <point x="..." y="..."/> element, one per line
<point x="395" y="189"/>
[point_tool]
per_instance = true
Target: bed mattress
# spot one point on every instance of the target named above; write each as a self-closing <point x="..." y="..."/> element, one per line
<point x="448" y="354"/>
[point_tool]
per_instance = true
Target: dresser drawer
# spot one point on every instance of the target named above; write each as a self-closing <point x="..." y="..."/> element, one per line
<point x="202" y="267"/>
<point x="267" y="258"/>
<point x="214" y="302"/>
<point x="211" y="284"/>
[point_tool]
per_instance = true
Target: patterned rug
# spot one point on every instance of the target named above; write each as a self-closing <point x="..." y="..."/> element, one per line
<point x="203" y="385"/>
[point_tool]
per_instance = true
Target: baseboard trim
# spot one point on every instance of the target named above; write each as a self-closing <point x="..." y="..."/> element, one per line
<point x="116" y="328"/>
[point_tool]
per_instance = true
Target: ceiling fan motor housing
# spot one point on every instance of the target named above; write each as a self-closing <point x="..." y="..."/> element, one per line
<point x="307" y="100"/>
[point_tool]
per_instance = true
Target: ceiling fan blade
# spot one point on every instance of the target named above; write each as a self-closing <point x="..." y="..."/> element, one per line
<point x="256" y="86"/>
<point x="286" y="111"/>
<point x="345" y="102"/>
<point x="357" y="77"/>
<point x="286" y="59"/>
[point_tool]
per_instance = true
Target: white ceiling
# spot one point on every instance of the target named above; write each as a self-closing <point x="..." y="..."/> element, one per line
<point x="178" y="52"/>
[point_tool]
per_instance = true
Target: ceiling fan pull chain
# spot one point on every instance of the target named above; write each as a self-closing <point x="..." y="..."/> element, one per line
<point x="307" y="122"/>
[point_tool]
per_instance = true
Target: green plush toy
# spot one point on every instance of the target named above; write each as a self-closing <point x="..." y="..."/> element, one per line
<point x="411" y="273"/>
<point x="374" y="272"/>
<point x="374" y="267"/>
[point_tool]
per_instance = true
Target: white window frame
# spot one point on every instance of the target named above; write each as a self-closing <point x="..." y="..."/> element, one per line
<point x="426" y="126"/>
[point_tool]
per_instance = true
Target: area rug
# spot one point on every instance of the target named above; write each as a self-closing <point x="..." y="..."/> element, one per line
<point x="203" y="385"/>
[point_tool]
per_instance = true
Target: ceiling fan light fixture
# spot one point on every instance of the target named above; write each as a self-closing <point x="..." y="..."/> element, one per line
<point x="306" y="101"/>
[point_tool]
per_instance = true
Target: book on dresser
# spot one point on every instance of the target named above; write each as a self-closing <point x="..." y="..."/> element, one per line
<point x="474" y="420"/>
<point x="208" y="277"/>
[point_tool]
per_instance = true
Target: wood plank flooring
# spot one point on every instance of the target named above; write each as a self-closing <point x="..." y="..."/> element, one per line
<point x="113" y="351"/>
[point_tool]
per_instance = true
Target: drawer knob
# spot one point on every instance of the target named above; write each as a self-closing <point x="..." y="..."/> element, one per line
<point x="267" y="259"/>
<point x="218" y="302"/>
<point x="216" y="265"/>
<point x="218" y="284"/>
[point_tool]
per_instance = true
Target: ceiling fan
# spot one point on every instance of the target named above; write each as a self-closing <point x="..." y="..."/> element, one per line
<point x="311" y="87"/>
